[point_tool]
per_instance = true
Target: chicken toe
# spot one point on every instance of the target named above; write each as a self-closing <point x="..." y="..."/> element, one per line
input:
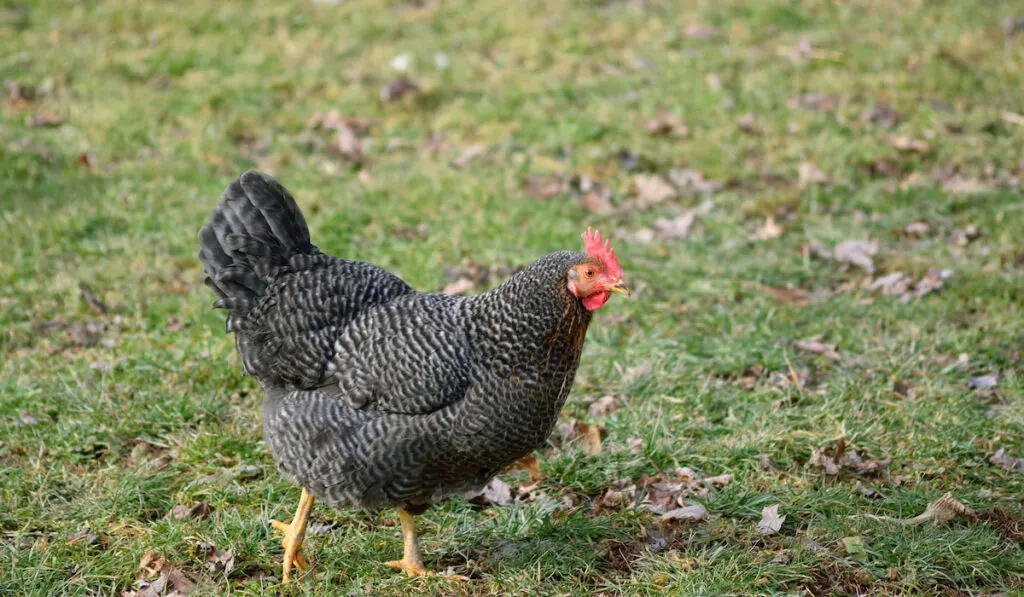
<point x="294" y="534"/>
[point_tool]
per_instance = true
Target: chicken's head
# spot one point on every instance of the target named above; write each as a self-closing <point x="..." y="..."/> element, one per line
<point x="595" y="279"/>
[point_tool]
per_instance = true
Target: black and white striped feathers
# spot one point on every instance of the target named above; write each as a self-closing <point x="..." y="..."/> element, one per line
<point x="376" y="394"/>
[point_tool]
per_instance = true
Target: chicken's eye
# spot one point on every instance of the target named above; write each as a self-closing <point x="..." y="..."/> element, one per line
<point x="589" y="273"/>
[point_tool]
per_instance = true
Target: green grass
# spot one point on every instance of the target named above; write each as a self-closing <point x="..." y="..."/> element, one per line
<point x="170" y="101"/>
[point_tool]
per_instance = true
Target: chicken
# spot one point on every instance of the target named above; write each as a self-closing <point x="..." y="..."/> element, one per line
<point x="375" y="394"/>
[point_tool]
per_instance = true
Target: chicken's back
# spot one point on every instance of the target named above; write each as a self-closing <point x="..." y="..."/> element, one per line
<point x="286" y="301"/>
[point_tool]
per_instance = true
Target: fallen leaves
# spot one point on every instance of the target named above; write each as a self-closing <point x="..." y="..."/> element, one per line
<point x="200" y="511"/>
<point x="545" y="187"/>
<point x="940" y="511"/>
<point x="677" y="227"/>
<point x="796" y="297"/>
<point x="665" y="123"/>
<point x="530" y="464"/>
<point x="468" y="155"/>
<point x="348" y="133"/>
<point x="398" y="88"/>
<point x="692" y="182"/>
<point x="497" y="493"/>
<point x="858" y="253"/>
<point x="603" y="406"/>
<point x="159" y="578"/>
<point x="768" y="230"/>
<point x="771" y="521"/>
<point x="692" y="513"/>
<point x="458" y="287"/>
<point x="589" y="436"/>
<point x="810" y="175"/>
<point x="837" y="459"/>
<point x="651" y="189"/>
<point x="814" y="345"/>
<point x="903" y="286"/>
<point x="908" y="144"/>
<point x="217" y="561"/>
<point x="1010" y="463"/>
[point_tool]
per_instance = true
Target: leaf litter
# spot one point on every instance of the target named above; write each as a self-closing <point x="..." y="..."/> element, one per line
<point x="940" y="511"/>
<point x="838" y="458"/>
<point x="1007" y="462"/>
<point x="771" y="521"/>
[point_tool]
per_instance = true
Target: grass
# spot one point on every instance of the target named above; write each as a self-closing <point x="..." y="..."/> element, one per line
<point x="109" y="420"/>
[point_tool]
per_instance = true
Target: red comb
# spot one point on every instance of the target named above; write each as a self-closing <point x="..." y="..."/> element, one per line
<point x="603" y="252"/>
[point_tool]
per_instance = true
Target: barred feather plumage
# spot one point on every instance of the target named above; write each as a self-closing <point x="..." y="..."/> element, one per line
<point x="376" y="394"/>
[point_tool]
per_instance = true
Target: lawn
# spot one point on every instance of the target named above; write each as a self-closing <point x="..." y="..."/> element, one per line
<point x="817" y="204"/>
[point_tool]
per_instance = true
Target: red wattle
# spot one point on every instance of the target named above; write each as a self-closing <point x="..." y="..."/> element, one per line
<point x="594" y="301"/>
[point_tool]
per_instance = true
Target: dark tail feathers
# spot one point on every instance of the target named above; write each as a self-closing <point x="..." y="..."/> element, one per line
<point x="250" y="236"/>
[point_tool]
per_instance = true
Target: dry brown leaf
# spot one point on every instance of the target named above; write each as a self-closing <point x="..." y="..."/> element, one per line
<point x="216" y="559"/>
<point x="174" y="324"/>
<point x="597" y="203"/>
<point x="768" y="230"/>
<point x="857" y="252"/>
<point x="1010" y="463"/>
<point x="170" y="581"/>
<point x="815" y="346"/>
<point x="699" y="31"/>
<point x="813" y="100"/>
<point x="676" y="228"/>
<point x="662" y="496"/>
<point x="918" y="228"/>
<point x="86" y="160"/>
<point x="796" y="297"/>
<point x="603" y="406"/>
<point x="530" y="464"/>
<point x="940" y="511"/>
<point x="652" y="189"/>
<point x="592" y="440"/>
<point x="43" y="119"/>
<point x="617" y="497"/>
<point x="545" y="187"/>
<point x="468" y="155"/>
<point x="810" y="175"/>
<point x="903" y="390"/>
<point x="820" y="459"/>
<point x="964" y="235"/>
<point x="398" y="89"/>
<point x="882" y="115"/>
<point x="770" y="522"/>
<point x="719" y="481"/>
<point x="665" y="123"/>
<point x="692" y="181"/>
<point x="961" y="185"/>
<point x="904" y="143"/>
<point x="748" y="124"/>
<point x="694" y="513"/>
<point x="27" y="419"/>
<point x="458" y="287"/>
<point x="497" y="492"/>
<point x="200" y="510"/>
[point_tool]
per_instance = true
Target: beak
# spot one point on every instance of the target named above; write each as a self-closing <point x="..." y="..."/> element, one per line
<point x="618" y="288"/>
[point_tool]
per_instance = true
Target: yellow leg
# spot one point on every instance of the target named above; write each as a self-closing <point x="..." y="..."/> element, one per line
<point x="294" y="533"/>
<point x="411" y="561"/>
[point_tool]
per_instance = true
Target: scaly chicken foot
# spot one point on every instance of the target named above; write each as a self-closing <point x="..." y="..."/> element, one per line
<point x="294" y="533"/>
<point x="411" y="561"/>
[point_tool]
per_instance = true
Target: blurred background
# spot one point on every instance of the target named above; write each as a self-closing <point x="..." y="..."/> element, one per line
<point x="816" y="202"/>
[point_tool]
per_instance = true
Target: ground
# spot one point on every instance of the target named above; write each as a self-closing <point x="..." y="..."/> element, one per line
<point x="762" y="341"/>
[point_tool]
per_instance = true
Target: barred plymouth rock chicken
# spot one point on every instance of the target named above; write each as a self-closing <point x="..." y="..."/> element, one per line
<point x="378" y="395"/>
